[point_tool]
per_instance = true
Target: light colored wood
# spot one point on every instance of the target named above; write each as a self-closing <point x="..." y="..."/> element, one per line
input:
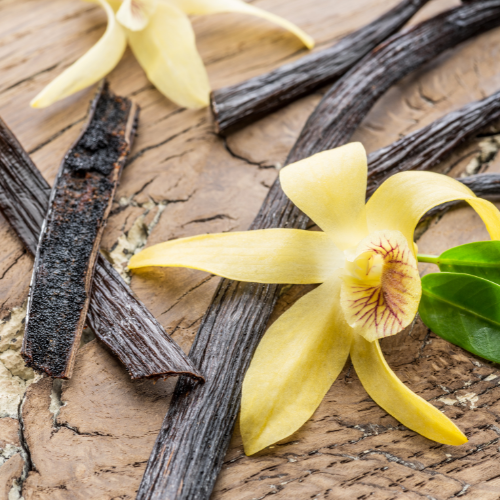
<point x="183" y="180"/>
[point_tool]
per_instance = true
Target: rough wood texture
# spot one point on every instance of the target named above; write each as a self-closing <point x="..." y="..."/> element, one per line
<point x="183" y="181"/>
<point x="239" y="312"/>
<point x="240" y="104"/>
<point x="141" y="343"/>
<point x="11" y="461"/>
<point x="116" y="429"/>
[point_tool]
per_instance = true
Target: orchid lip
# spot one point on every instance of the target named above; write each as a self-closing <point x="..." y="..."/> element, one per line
<point x="381" y="288"/>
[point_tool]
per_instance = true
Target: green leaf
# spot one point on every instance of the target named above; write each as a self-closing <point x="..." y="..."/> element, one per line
<point x="465" y="310"/>
<point x="480" y="259"/>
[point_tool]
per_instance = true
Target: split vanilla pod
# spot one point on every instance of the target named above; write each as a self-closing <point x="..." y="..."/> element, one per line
<point x="116" y="316"/>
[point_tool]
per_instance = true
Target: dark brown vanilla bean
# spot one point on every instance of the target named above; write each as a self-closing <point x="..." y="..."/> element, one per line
<point x="346" y="104"/>
<point x="71" y="234"/>
<point x="483" y="185"/>
<point x="188" y="453"/>
<point x="248" y="101"/>
<point x="118" y="319"/>
<point x="427" y="146"/>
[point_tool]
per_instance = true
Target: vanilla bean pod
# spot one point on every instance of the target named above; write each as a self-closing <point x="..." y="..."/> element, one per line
<point x="71" y="233"/>
<point x="190" y="448"/>
<point x="240" y="104"/>
<point x="427" y="146"/>
<point x="117" y="317"/>
<point x="483" y="185"/>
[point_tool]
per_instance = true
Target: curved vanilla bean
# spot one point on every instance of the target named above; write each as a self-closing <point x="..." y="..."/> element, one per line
<point x="188" y="453"/>
<point x="118" y="319"/>
<point x="427" y="146"/>
<point x="245" y="102"/>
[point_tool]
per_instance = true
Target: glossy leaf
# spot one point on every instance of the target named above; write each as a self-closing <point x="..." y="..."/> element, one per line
<point x="463" y="310"/>
<point x="481" y="259"/>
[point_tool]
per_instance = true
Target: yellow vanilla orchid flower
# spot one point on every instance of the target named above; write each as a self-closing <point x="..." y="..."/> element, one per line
<point x="162" y="40"/>
<point x="365" y="260"/>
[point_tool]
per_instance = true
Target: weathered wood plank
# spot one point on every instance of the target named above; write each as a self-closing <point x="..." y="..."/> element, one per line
<point x="185" y="182"/>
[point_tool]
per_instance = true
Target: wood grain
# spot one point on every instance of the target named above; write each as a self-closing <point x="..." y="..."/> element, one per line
<point x="182" y="172"/>
<point x="428" y="146"/>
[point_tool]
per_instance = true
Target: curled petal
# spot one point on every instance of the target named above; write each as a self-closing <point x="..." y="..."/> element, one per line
<point x="396" y="399"/>
<point x="199" y="7"/>
<point x="298" y="359"/>
<point x="264" y="256"/>
<point x="330" y="187"/>
<point x="91" y="67"/>
<point x="166" y="50"/>
<point x="400" y="202"/>
<point x="381" y="291"/>
<point x="135" y="14"/>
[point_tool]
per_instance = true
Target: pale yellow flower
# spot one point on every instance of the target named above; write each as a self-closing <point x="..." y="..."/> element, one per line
<point x="162" y="39"/>
<point x="365" y="259"/>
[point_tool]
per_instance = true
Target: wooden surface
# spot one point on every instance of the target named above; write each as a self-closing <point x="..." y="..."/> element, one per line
<point x="91" y="437"/>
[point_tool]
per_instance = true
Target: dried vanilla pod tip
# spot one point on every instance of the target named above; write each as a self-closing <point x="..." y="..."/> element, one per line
<point x="426" y="147"/>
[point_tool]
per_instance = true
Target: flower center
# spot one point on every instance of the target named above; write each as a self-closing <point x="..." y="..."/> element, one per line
<point x="135" y="14"/>
<point x="381" y="287"/>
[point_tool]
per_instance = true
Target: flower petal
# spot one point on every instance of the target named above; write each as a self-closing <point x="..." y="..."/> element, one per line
<point x="298" y="359"/>
<point x="264" y="256"/>
<point x="199" y="7"/>
<point x="91" y="67"/>
<point x="135" y="14"/>
<point x="381" y="292"/>
<point x="166" y="50"/>
<point x="404" y="198"/>
<point x="330" y="187"/>
<point x="396" y="399"/>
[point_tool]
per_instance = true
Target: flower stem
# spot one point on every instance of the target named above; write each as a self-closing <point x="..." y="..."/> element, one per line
<point x="431" y="259"/>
